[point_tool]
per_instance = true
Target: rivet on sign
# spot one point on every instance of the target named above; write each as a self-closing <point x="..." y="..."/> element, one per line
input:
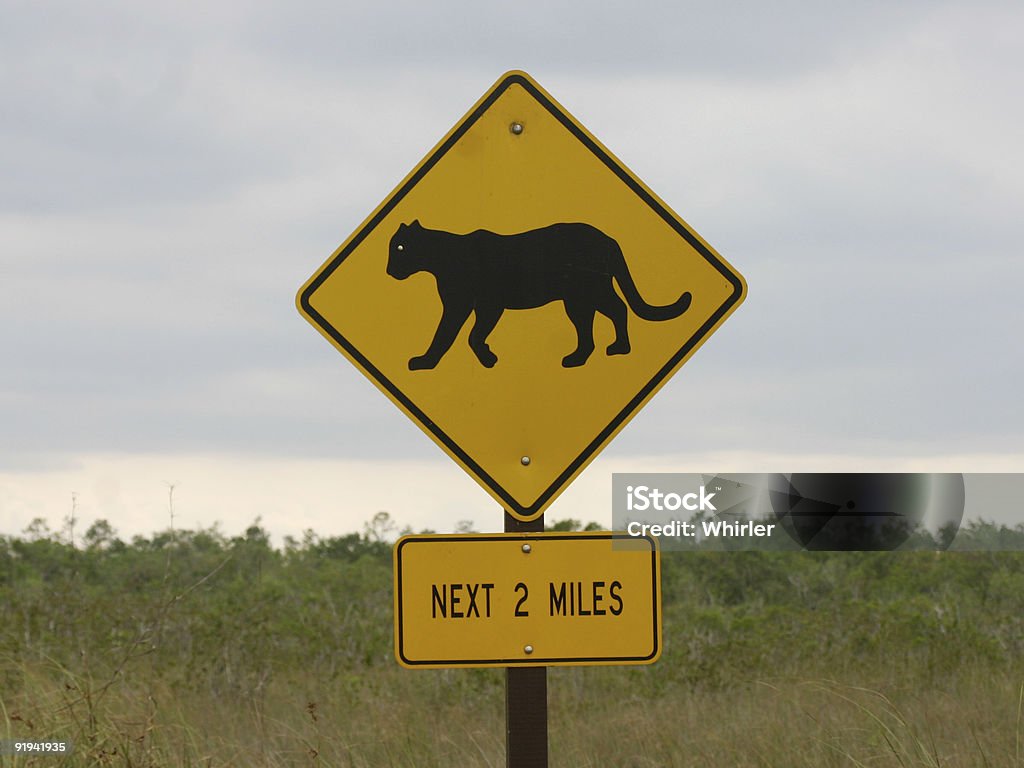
<point x="516" y="128"/>
<point x="525" y="461"/>
<point x="528" y="650"/>
<point x="527" y="548"/>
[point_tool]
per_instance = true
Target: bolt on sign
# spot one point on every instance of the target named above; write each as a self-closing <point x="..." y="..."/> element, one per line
<point x="521" y="295"/>
<point x="540" y="599"/>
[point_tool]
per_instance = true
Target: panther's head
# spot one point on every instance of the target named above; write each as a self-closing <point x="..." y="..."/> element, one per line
<point x="402" y="256"/>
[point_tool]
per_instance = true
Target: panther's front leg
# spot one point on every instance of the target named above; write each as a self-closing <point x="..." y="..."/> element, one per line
<point x="487" y="316"/>
<point x="453" y="318"/>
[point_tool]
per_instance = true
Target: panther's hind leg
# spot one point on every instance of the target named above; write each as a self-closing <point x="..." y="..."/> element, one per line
<point x="486" y="319"/>
<point x="614" y="308"/>
<point x="582" y="317"/>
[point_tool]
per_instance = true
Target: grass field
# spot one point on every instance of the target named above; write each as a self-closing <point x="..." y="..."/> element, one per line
<point x="195" y="649"/>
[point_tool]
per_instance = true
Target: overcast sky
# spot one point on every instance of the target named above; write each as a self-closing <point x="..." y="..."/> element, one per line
<point x="170" y="175"/>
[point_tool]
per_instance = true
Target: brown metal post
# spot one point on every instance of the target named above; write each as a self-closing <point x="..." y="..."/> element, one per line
<point x="526" y="696"/>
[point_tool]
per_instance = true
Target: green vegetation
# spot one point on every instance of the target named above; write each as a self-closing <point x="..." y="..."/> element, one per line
<point x="194" y="648"/>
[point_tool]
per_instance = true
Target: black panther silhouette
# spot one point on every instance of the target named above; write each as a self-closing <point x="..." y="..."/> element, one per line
<point x="486" y="273"/>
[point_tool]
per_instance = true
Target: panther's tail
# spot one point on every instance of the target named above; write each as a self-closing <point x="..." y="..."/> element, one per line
<point x="636" y="302"/>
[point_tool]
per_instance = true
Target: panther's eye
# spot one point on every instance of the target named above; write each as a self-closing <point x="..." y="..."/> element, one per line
<point x="400" y="248"/>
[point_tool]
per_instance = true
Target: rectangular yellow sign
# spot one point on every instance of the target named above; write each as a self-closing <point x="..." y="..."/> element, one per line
<point x="527" y="599"/>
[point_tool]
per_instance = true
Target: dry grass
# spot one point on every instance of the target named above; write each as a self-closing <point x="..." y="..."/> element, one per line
<point x="196" y="650"/>
<point x="791" y="723"/>
<point x="598" y="717"/>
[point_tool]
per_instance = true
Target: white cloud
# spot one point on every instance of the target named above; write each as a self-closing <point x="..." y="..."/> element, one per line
<point x="288" y="496"/>
<point x="171" y="177"/>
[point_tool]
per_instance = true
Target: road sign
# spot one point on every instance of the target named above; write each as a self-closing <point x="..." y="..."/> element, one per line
<point x="540" y="599"/>
<point x="521" y="295"/>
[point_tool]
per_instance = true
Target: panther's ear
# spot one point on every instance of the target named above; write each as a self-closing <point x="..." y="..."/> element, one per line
<point x="415" y="223"/>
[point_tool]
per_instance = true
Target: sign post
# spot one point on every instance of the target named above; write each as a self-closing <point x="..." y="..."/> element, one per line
<point x="525" y="599"/>
<point x="521" y="295"/>
<point x="526" y="696"/>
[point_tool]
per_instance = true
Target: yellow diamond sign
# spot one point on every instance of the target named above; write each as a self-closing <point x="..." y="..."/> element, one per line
<point x="521" y="295"/>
